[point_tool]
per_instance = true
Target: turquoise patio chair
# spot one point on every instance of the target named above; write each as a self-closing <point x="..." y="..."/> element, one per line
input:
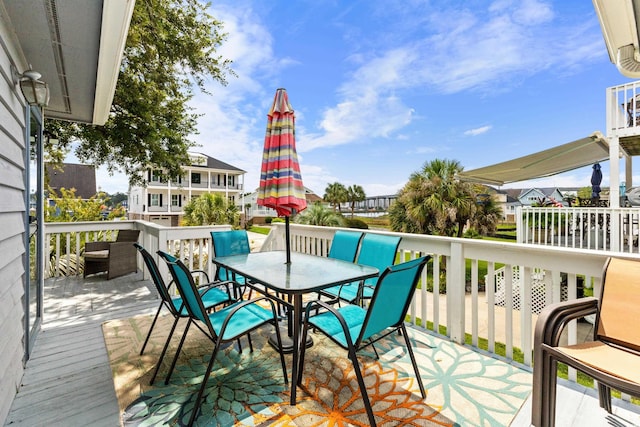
<point x="345" y="245"/>
<point x="212" y="295"/>
<point x="353" y="327"/>
<point x="224" y="325"/>
<point x="230" y="242"/>
<point x="376" y="250"/>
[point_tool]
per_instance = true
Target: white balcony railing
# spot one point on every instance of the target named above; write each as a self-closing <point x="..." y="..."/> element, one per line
<point x="610" y="229"/>
<point x="623" y="109"/>
<point x="487" y="288"/>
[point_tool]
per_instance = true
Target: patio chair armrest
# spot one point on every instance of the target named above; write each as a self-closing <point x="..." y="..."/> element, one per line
<point x="318" y="303"/>
<point x="218" y="285"/>
<point x="554" y="318"/>
<point x="96" y="246"/>
<point x="206" y="275"/>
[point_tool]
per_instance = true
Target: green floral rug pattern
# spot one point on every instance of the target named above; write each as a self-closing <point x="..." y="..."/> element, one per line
<point x="464" y="388"/>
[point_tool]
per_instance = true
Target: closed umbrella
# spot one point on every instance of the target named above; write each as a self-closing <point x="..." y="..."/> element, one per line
<point x="596" y="179"/>
<point x="280" y="179"/>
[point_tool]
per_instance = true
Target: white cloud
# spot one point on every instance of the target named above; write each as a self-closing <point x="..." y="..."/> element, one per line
<point x="478" y="131"/>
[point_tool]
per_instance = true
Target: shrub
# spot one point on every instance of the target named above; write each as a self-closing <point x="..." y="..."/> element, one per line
<point x="274" y="220"/>
<point x="268" y="220"/>
<point x="355" y="223"/>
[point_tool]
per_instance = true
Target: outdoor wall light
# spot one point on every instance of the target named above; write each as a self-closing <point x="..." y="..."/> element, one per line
<point x="35" y="91"/>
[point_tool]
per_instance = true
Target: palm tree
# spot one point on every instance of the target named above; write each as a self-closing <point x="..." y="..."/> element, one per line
<point x="434" y="201"/>
<point x="335" y="194"/>
<point x="487" y="216"/>
<point x="317" y="214"/>
<point x="355" y="194"/>
<point x="210" y="209"/>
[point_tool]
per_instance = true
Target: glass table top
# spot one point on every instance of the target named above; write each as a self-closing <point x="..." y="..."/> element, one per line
<point x="305" y="273"/>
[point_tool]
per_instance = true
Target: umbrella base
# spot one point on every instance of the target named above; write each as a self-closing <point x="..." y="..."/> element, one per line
<point x="287" y="341"/>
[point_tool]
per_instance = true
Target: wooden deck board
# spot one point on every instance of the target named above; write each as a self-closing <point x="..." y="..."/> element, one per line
<point x="68" y="382"/>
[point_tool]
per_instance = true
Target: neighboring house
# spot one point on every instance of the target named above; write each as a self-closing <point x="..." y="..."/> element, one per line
<point x="533" y="196"/>
<point x="161" y="201"/>
<point x="79" y="59"/>
<point x="82" y="178"/>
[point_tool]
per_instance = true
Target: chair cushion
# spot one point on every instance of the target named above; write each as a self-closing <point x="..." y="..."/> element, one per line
<point x="622" y="364"/>
<point x="210" y="299"/>
<point x="353" y="316"/>
<point x="97" y="254"/>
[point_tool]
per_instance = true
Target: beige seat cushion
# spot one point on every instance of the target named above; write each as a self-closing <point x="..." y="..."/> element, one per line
<point x="97" y="254"/>
<point x="614" y="361"/>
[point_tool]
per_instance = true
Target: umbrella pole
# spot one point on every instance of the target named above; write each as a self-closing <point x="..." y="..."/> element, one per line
<point x="286" y="239"/>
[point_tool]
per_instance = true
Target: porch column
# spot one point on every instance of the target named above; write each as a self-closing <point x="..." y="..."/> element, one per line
<point x="614" y="193"/>
<point x="456" y="293"/>
<point x="628" y="172"/>
<point x="614" y="172"/>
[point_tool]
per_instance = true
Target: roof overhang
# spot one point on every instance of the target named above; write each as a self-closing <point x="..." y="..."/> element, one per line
<point x="563" y="158"/>
<point x="619" y="24"/>
<point x="77" y="46"/>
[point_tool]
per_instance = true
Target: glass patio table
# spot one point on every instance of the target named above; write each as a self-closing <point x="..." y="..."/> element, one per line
<point x="305" y="274"/>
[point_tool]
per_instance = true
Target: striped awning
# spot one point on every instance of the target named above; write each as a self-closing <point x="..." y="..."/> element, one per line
<point x="280" y="179"/>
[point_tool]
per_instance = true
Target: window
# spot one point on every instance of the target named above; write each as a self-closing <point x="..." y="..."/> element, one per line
<point x="176" y="200"/>
<point x="155" y="176"/>
<point x="154" y="200"/>
<point x="195" y="178"/>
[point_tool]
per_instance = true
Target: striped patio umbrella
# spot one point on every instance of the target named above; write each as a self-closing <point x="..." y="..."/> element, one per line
<point x="280" y="179"/>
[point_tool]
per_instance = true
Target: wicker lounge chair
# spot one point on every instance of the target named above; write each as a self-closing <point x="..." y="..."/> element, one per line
<point x="115" y="258"/>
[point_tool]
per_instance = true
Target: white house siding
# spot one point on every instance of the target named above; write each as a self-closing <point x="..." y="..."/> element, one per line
<point x="12" y="213"/>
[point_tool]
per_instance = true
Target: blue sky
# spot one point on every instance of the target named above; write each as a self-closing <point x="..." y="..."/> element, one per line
<point x="381" y="87"/>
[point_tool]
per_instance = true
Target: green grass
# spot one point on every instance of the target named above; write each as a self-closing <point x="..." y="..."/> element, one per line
<point x="261" y="230"/>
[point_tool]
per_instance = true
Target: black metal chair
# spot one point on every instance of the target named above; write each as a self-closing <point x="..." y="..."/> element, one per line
<point x="211" y="293"/>
<point x="224" y="325"/>
<point x="613" y="356"/>
<point x="353" y="327"/>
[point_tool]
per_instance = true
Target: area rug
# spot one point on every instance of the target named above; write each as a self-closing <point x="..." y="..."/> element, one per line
<point x="464" y="388"/>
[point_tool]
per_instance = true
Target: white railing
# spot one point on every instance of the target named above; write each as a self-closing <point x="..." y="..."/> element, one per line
<point x="610" y="229"/>
<point x="466" y="271"/>
<point x="65" y="243"/>
<point x="623" y="109"/>
<point x="464" y="308"/>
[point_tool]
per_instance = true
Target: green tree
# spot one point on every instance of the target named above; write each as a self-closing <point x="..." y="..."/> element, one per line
<point x="434" y="201"/>
<point x="355" y="194"/>
<point x="67" y="207"/>
<point x="487" y="215"/>
<point x="209" y="209"/>
<point x="335" y="194"/>
<point x="115" y="200"/>
<point x="317" y="214"/>
<point x="170" y="51"/>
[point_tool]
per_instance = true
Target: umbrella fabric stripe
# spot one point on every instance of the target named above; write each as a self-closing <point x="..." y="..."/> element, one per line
<point x="281" y="185"/>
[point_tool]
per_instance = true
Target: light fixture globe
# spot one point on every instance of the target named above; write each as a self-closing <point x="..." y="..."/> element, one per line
<point x="35" y="91"/>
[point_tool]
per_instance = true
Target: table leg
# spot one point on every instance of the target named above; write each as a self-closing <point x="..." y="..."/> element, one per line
<point x="297" y="323"/>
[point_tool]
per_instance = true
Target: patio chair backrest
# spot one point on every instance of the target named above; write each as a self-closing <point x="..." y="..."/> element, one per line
<point x="230" y="242"/>
<point x="379" y="251"/>
<point x="392" y="296"/>
<point x="345" y="245"/>
<point x="187" y="288"/>
<point x="619" y="303"/>
<point x="127" y="235"/>
<point x="156" y="277"/>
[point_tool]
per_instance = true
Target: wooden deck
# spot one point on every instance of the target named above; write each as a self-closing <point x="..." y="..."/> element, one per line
<point x="68" y="380"/>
